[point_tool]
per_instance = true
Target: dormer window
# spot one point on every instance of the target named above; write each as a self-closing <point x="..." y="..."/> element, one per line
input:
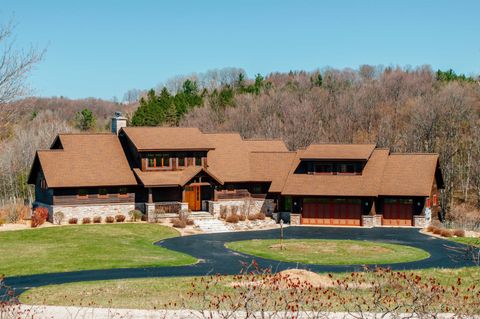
<point x="323" y="168"/>
<point x="347" y="168"/>
<point x="158" y="160"/>
<point x="181" y="159"/>
<point x="198" y="159"/>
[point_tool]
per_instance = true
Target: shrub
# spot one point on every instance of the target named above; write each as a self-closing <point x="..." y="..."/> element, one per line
<point x="135" y="215"/>
<point x="430" y="228"/>
<point x="445" y="233"/>
<point x="73" y="221"/>
<point x="437" y="231"/>
<point x="58" y="217"/>
<point x="39" y="216"/>
<point x="223" y="211"/>
<point x="178" y="223"/>
<point x="109" y="219"/>
<point x="2" y="221"/>
<point x="13" y="213"/>
<point x="189" y="222"/>
<point x="144" y="217"/>
<point x="232" y="218"/>
<point x="459" y="233"/>
<point x="97" y="219"/>
<point x="252" y="216"/>
<point x="242" y="216"/>
<point x="120" y="218"/>
<point x="261" y="216"/>
<point x="86" y="220"/>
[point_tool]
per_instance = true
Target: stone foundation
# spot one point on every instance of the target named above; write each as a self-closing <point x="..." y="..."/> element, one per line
<point x="249" y="206"/>
<point x="90" y="211"/>
<point x="419" y="221"/>
<point x="154" y="217"/>
<point x="371" y="220"/>
<point x="295" y="219"/>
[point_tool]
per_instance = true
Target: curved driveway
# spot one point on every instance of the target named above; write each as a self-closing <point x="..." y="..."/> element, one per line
<point x="216" y="258"/>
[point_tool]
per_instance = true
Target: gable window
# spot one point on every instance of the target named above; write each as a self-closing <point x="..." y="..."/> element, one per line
<point x="43" y="183"/>
<point x="102" y="193"/>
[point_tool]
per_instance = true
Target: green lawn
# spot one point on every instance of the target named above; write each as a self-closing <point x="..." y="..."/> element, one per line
<point x="150" y="293"/>
<point x="83" y="247"/>
<point x="329" y="252"/>
<point x="467" y="240"/>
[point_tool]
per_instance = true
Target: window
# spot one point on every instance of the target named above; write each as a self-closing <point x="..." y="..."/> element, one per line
<point x="43" y="183"/>
<point x="323" y="168"/>
<point x="122" y="192"/>
<point x="347" y="168"/>
<point x="158" y="160"/>
<point x="198" y="159"/>
<point x="102" y="193"/>
<point x="181" y="159"/>
<point x="257" y="189"/>
<point x="82" y="193"/>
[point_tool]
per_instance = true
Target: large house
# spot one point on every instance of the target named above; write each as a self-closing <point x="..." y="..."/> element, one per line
<point x="158" y="169"/>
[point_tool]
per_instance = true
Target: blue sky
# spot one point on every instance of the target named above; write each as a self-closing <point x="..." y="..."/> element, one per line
<point x="102" y="48"/>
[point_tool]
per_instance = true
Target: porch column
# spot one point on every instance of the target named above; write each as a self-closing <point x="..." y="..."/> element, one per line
<point x="150" y="196"/>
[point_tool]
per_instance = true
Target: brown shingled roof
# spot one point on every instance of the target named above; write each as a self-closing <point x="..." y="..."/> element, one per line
<point x="409" y="175"/>
<point x="366" y="184"/>
<point x="86" y="160"/>
<point x="338" y="151"/>
<point x="271" y="166"/>
<point x="266" y="145"/>
<point x="167" y="138"/>
<point x="171" y="178"/>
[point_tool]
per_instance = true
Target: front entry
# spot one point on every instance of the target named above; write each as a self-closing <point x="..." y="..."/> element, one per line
<point x="192" y="197"/>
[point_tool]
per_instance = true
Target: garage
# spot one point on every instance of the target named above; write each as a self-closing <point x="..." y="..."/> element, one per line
<point x="397" y="212"/>
<point x="337" y="212"/>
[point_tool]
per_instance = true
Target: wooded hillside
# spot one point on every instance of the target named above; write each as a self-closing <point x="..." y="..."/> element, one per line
<point x="407" y="110"/>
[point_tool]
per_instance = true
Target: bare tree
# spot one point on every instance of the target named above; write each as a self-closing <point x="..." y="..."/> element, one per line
<point x="15" y="67"/>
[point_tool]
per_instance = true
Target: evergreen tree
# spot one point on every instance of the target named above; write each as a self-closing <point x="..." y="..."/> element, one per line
<point x="85" y="120"/>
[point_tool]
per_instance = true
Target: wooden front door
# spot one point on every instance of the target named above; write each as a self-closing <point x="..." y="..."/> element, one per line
<point x="192" y="197"/>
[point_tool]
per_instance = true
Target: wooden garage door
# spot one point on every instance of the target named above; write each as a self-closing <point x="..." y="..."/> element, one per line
<point x="338" y="214"/>
<point x="397" y="214"/>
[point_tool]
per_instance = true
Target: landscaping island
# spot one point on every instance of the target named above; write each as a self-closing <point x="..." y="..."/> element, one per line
<point x="329" y="252"/>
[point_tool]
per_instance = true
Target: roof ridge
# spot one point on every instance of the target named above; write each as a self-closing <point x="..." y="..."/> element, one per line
<point x="285" y="152"/>
<point x="415" y="153"/>
<point x="87" y="133"/>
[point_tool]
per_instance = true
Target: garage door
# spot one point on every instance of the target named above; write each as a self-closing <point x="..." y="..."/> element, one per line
<point x="397" y="214"/>
<point x="338" y="214"/>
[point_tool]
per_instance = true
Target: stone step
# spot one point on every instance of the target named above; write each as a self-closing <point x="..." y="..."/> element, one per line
<point x="211" y="225"/>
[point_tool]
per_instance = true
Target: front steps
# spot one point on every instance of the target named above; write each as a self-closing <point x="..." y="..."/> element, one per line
<point x="207" y="223"/>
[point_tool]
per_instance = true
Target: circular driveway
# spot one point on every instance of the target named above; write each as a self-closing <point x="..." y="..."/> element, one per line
<point x="216" y="258"/>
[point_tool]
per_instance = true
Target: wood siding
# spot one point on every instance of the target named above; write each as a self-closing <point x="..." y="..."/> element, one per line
<point x="69" y="196"/>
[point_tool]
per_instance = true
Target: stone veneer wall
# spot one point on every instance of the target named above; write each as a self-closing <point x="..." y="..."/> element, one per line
<point x="295" y="219"/>
<point x="150" y="210"/>
<point x="371" y="220"/>
<point x="419" y="221"/>
<point x="253" y="205"/>
<point x="91" y="211"/>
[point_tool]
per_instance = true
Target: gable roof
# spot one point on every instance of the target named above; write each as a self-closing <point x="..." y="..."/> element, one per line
<point x="171" y="178"/>
<point x="167" y="138"/>
<point x="271" y="166"/>
<point x="338" y="151"/>
<point x="409" y="175"/>
<point x="85" y="160"/>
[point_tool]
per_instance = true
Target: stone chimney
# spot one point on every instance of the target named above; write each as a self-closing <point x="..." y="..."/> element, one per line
<point x="118" y="121"/>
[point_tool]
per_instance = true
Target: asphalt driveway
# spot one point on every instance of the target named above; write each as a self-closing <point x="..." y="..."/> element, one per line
<point x="216" y="258"/>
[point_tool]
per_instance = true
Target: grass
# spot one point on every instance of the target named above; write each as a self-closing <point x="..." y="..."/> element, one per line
<point x="467" y="240"/>
<point x="85" y="247"/>
<point x="329" y="252"/>
<point x="150" y="293"/>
